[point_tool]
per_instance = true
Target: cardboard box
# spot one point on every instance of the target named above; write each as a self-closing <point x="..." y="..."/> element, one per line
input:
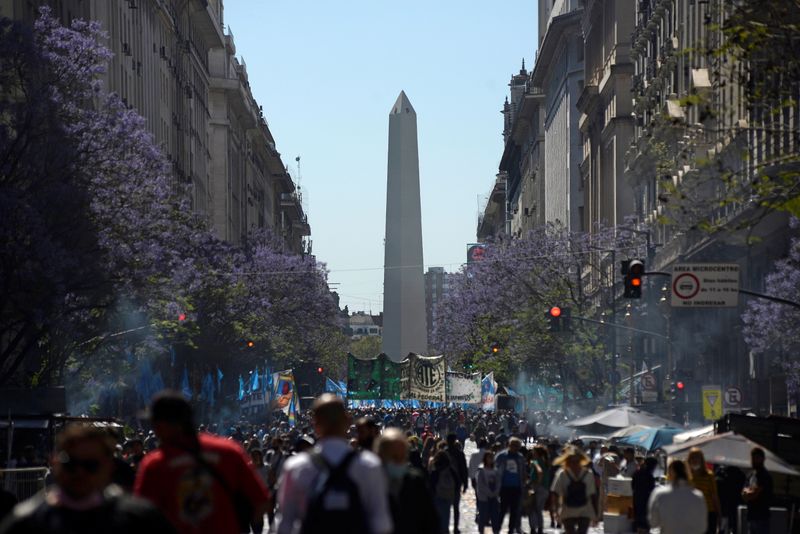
<point x="620" y="486"/>
<point x="619" y="504"/>
<point x="615" y="523"/>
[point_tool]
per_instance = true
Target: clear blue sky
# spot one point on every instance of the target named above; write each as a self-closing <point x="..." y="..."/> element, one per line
<point x="327" y="74"/>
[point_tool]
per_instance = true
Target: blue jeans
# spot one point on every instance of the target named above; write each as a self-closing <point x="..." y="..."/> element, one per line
<point x="443" y="510"/>
<point x="489" y="515"/>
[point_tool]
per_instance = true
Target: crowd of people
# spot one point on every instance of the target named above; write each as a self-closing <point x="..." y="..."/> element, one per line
<point x="369" y="470"/>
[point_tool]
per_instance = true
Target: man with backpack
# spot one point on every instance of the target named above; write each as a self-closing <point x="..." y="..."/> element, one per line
<point x="576" y="489"/>
<point x="333" y="488"/>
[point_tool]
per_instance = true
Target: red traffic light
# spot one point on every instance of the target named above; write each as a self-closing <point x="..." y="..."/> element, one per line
<point x="250" y="344"/>
<point x="181" y="317"/>
<point x="320" y="370"/>
<point x="495" y="349"/>
<point x="636" y="282"/>
<point x="680" y="385"/>
<point x="555" y="311"/>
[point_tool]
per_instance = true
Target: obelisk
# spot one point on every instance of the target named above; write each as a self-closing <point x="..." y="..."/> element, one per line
<point x="404" y="320"/>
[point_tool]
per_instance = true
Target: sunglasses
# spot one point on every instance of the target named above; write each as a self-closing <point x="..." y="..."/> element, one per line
<point x="72" y="465"/>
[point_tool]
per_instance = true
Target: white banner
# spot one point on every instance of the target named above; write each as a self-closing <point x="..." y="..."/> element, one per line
<point x="426" y="378"/>
<point x="463" y="388"/>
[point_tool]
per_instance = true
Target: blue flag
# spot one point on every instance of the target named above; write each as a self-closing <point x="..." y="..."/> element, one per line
<point x="186" y="389"/>
<point x="241" y="388"/>
<point x="254" y="384"/>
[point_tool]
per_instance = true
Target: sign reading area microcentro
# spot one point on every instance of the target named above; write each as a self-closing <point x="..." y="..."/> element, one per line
<point x="705" y="285"/>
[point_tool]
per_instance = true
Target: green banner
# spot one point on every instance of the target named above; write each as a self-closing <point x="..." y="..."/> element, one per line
<point x="377" y="378"/>
<point x="393" y="381"/>
<point x="363" y="378"/>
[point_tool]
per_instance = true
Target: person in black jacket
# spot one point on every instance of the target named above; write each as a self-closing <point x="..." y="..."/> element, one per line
<point x="410" y="501"/>
<point x="459" y="462"/>
<point x="643" y="483"/>
<point x="82" y="499"/>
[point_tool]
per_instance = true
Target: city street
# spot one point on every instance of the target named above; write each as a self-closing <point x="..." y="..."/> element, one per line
<point x="468" y="508"/>
<point x="574" y="220"/>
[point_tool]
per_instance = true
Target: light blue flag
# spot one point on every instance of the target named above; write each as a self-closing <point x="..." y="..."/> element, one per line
<point x="254" y="385"/>
<point x="241" y="387"/>
<point x="157" y="383"/>
<point x="207" y="390"/>
<point x="332" y="387"/>
<point x="186" y="389"/>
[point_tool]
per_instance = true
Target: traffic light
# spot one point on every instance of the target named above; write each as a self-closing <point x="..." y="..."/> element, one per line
<point x="495" y="348"/>
<point x="250" y="344"/>
<point x="467" y="363"/>
<point x="320" y="370"/>
<point x="676" y="388"/>
<point x="181" y="317"/>
<point x="558" y="319"/>
<point x="633" y="271"/>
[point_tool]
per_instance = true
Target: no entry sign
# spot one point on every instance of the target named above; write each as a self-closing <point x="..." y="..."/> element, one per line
<point x="705" y="285"/>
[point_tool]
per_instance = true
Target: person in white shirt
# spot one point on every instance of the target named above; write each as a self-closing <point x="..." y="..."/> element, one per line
<point x="300" y="472"/>
<point x="576" y="490"/>
<point x="677" y="508"/>
<point x="475" y="460"/>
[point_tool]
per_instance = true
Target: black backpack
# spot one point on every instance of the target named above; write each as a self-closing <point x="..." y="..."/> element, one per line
<point x="576" y="492"/>
<point x="335" y="503"/>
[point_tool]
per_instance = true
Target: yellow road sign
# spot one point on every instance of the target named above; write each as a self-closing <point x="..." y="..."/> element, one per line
<point x="712" y="402"/>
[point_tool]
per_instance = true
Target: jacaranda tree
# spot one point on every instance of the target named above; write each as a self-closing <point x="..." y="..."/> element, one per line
<point x="100" y="253"/>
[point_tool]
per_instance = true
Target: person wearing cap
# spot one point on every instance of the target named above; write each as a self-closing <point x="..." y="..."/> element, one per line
<point x="575" y="488"/>
<point x="201" y="482"/>
<point x="304" y="443"/>
<point x="83" y="499"/>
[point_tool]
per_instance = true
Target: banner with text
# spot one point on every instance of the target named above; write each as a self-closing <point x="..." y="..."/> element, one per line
<point x="426" y="378"/>
<point x="462" y="387"/>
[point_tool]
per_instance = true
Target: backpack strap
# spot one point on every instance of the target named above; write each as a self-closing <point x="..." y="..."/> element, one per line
<point x="333" y="470"/>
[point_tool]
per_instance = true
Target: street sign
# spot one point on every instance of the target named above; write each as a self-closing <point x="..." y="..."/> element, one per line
<point x="705" y="285"/>
<point x="649" y="382"/>
<point x="712" y="402"/>
<point x="733" y="397"/>
<point x="649" y="396"/>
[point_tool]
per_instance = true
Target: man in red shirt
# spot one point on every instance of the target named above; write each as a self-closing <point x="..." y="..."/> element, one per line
<point x="194" y="479"/>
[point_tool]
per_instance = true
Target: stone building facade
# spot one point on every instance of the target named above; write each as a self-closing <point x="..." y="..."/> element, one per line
<point x="175" y="63"/>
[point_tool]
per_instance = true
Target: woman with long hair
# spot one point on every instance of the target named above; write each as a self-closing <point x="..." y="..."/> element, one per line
<point x="701" y="478"/>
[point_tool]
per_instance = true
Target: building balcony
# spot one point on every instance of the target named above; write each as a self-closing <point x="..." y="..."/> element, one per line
<point x="205" y="21"/>
<point x="588" y="97"/>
